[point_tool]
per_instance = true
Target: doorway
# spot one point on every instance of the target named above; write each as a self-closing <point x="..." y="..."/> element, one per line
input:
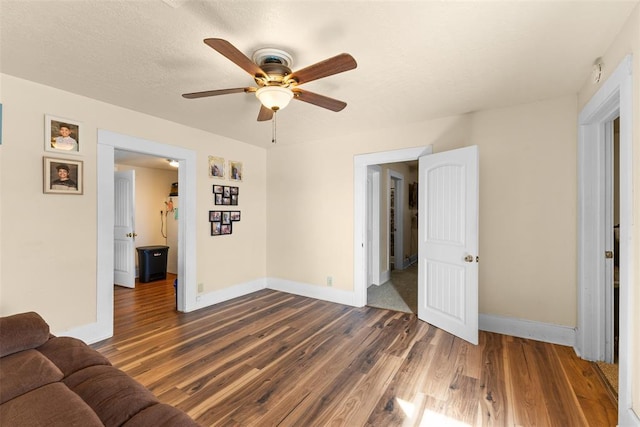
<point x="399" y="289"/>
<point x="108" y="142"/>
<point x="144" y="185"/>
<point x="614" y="99"/>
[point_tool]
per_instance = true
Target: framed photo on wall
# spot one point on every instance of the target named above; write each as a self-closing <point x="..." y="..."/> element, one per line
<point x="61" y="135"/>
<point x="215" y="228"/>
<point x="216" y="167"/>
<point x="62" y="176"/>
<point x="235" y="170"/>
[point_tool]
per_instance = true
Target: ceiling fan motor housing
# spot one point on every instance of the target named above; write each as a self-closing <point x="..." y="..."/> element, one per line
<point x="275" y="63"/>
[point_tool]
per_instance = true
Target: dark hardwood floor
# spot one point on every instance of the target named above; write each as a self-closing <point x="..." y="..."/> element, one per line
<point x="276" y="359"/>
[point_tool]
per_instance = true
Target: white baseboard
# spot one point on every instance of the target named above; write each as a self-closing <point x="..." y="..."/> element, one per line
<point x="312" y="291"/>
<point x="385" y="276"/>
<point x="216" y="297"/>
<point x="555" y="334"/>
<point x="628" y="418"/>
<point x="90" y="333"/>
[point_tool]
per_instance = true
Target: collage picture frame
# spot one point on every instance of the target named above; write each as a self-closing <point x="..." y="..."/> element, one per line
<point x="222" y="222"/>
<point x="225" y="195"/>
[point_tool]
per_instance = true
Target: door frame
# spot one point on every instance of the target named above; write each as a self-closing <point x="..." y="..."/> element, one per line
<point x="398" y="212"/>
<point x="373" y="225"/>
<point x="614" y="98"/>
<point x="360" y="246"/>
<point x="108" y="142"/>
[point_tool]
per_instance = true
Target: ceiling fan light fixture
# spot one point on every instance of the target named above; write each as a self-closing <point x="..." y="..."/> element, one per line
<point x="274" y="97"/>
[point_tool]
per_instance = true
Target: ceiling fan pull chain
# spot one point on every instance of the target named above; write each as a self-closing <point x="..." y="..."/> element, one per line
<point x="273" y="127"/>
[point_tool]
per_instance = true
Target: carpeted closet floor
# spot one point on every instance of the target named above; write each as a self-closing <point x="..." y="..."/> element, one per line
<point x="400" y="293"/>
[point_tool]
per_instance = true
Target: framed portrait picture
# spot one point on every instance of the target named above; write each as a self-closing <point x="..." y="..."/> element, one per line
<point x="234" y="199"/>
<point x="62" y="176"/>
<point x="61" y="135"/>
<point x="218" y="199"/>
<point x="217" y="189"/>
<point x="234" y="190"/>
<point x="215" y="216"/>
<point x="216" y="228"/>
<point x="216" y="167"/>
<point x="235" y="170"/>
<point x="225" y="229"/>
<point x="235" y="215"/>
<point x="226" y="217"/>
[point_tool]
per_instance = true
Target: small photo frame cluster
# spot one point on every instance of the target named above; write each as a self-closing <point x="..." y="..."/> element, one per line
<point x="62" y="176"/>
<point x="217" y="169"/>
<point x="222" y="221"/>
<point x="225" y="195"/>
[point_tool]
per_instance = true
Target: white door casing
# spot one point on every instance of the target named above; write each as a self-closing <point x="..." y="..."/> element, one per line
<point x="613" y="99"/>
<point x="448" y="242"/>
<point x="124" y="266"/>
<point x="373" y="226"/>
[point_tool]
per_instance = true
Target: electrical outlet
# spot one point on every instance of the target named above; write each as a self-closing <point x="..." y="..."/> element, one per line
<point x="329" y="281"/>
<point x="200" y="287"/>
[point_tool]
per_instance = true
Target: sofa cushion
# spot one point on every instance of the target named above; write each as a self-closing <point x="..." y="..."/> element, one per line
<point x="71" y="354"/>
<point x="25" y="371"/>
<point x="160" y="415"/>
<point x="112" y="394"/>
<point x="52" y="405"/>
<point x="22" y="332"/>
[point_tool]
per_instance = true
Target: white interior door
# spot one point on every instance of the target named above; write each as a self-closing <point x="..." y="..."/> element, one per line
<point x="448" y="242"/>
<point x="124" y="266"/>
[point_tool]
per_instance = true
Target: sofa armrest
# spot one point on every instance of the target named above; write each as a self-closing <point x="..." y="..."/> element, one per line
<point x="22" y="331"/>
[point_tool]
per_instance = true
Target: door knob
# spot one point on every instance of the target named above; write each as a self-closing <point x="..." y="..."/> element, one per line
<point x="132" y="234"/>
<point x="468" y="258"/>
<point x="608" y="254"/>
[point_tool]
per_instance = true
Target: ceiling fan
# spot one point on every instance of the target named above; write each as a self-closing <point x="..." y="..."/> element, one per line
<point x="277" y="84"/>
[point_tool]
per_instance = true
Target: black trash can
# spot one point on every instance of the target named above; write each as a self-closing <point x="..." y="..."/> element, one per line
<point x="152" y="262"/>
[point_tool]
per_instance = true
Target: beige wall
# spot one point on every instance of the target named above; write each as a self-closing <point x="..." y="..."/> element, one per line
<point x="48" y="245"/>
<point x="628" y="42"/>
<point x="527" y="205"/>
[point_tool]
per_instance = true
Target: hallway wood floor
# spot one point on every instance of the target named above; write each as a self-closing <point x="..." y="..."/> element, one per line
<point x="276" y="359"/>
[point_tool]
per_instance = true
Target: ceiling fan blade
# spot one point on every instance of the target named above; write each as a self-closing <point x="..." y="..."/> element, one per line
<point x="328" y="67"/>
<point x="264" y="114"/>
<point x="319" y="100"/>
<point x="217" y="92"/>
<point x="234" y="55"/>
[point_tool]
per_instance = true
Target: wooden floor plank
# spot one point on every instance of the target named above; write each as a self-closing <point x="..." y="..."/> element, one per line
<point x="277" y="359"/>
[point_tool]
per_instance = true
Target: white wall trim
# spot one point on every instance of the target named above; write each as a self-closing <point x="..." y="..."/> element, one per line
<point x="546" y="332"/>
<point x="373" y="221"/>
<point x="226" y="294"/>
<point x="312" y="291"/>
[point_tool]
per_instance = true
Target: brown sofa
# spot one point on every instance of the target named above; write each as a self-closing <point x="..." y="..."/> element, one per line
<point x="61" y="381"/>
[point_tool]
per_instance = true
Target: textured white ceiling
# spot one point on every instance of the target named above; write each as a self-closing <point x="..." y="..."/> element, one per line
<point x="416" y="59"/>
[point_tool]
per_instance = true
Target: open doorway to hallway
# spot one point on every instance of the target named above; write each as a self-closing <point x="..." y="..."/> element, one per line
<point x="397" y="206"/>
<point x="151" y="250"/>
